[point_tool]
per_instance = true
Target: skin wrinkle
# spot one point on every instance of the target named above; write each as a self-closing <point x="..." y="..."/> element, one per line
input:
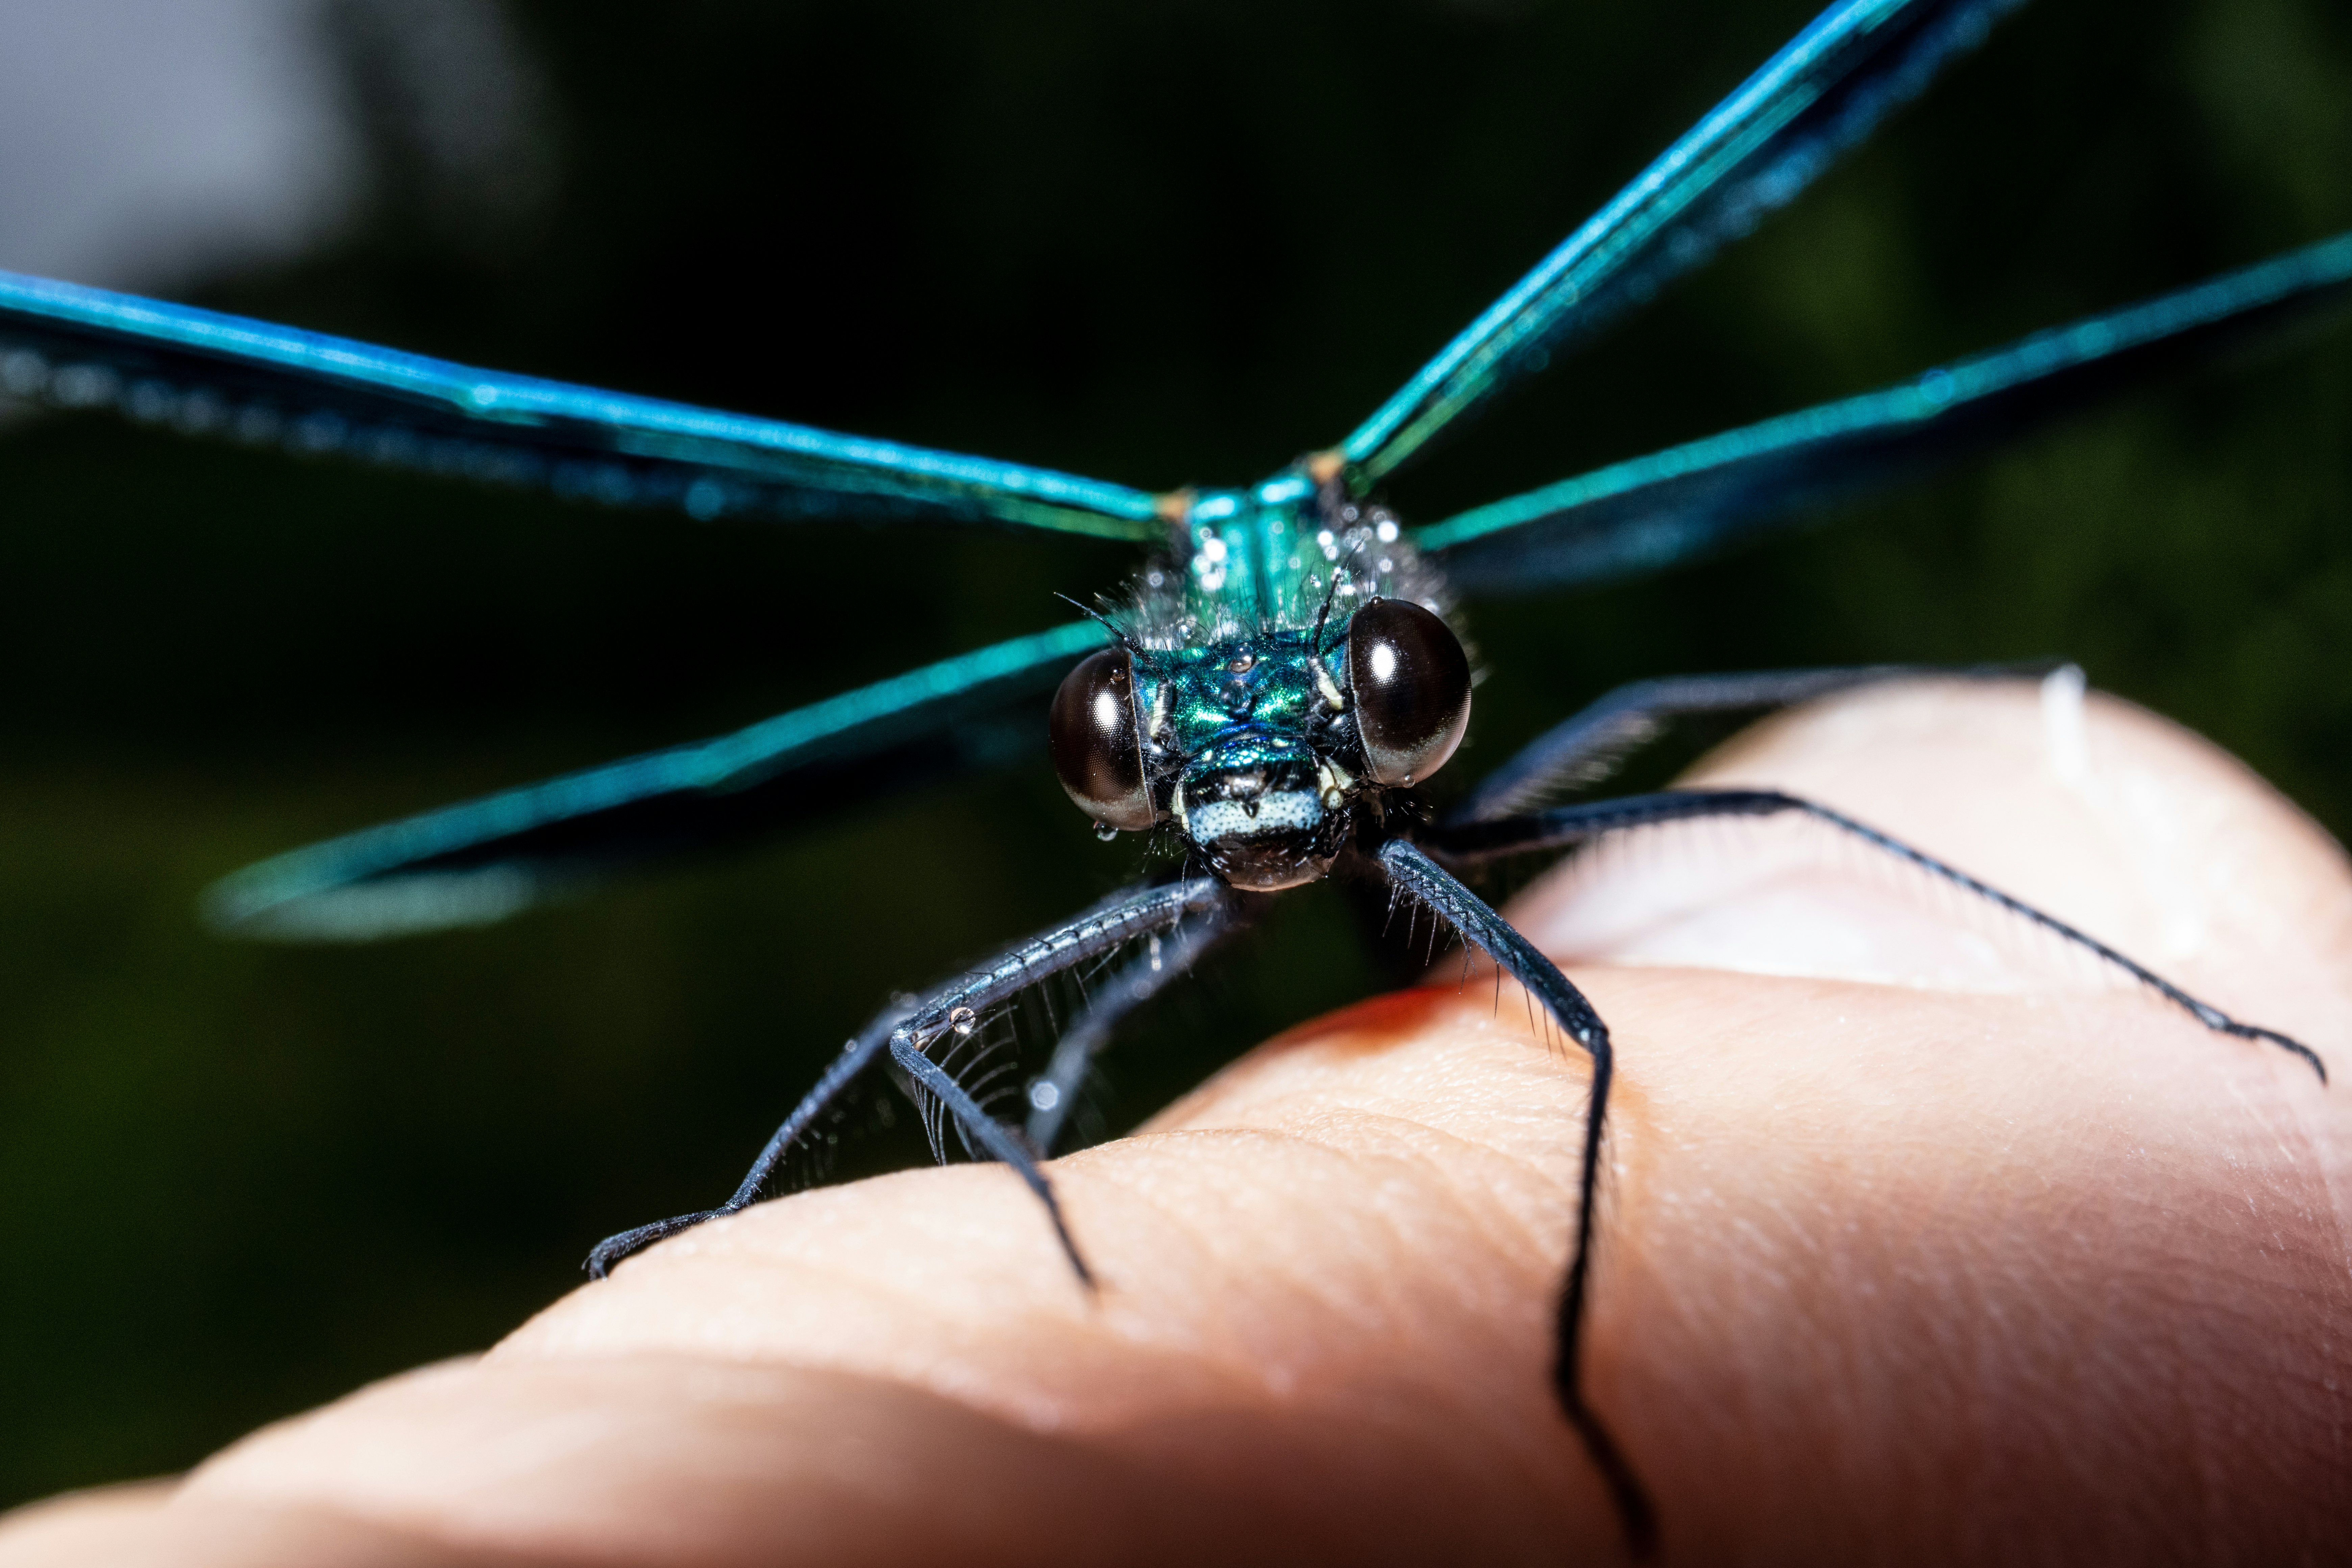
<point x="1307" y="1283"/>
<point x="1197" y="1343"/>
<point x="1360" y="1306"/>
<point x="1550" y="1229"/>
<point x="1222" y="1240"/>
<point x="933" y="1350"/>
<point x="1531" y="1237"/>
<point x="938" y="1376"/>
<point x="1551" y="1172"/>
<point x="1330" y="1131"/>
<point x="1454" y="1397"/>
<point x="1964" y="1271"/>
<point x="1542" y="1246"/>
<point x="737" y="1472"/>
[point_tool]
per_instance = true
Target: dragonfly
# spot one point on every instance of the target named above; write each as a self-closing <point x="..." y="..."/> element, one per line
<point x="1264" y="703"/>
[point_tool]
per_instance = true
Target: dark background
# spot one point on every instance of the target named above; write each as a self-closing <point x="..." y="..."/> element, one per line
<point x="1161" y="242"/>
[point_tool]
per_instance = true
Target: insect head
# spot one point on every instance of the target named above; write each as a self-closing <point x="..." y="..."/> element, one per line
<point x="1256" y="746"/>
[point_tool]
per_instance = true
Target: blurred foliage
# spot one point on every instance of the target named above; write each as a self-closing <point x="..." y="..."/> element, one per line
<point x="1171" y="241"/>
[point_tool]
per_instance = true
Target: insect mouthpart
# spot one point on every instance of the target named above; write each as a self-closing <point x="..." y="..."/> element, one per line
<point x="1256" y="811"/>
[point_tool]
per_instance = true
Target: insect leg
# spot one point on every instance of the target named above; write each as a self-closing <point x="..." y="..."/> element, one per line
<point x="1053" y="1095"/>
<point x="1430" y="884"/>
<point x="951" y="1010"/>
<point x="1588" y="746"/>
<point x="855" y="1057"/>
<point x="1469" y="842"/>
<point x="991" y="1135"/>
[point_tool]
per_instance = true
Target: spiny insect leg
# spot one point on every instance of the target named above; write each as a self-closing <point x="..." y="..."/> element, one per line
<point x="1470" y="842"/>
<point x="951" y="1011"/>
<point x="1056" y="1092"/>
<point x="991" y="1135"/>
<point x="1431" y="885"/>
<point x="1588" y="745"/>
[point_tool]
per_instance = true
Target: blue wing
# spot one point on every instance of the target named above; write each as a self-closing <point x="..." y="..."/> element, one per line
<point x="1824" y="92"/>
<point x="207" y="372"/>
<point x="484" y="860"/>
<point x="1651" y="513"/>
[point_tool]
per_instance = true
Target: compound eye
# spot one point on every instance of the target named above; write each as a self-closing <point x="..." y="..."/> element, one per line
<point x="1097" y="748"/>
<point x="1411" y="683"/>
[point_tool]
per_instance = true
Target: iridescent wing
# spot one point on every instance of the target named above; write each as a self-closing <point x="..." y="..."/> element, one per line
<point x="1823" y="93"/>
<point x="486" y="859"/>
<point x="203" y="372"/>
<point x="1654" y="511"/>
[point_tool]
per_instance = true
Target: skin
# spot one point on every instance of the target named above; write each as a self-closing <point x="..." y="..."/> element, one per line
<point x="1924" y="1241"/>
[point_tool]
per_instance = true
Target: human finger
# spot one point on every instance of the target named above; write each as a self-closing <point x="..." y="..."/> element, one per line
<point x="1329" y="1282"/>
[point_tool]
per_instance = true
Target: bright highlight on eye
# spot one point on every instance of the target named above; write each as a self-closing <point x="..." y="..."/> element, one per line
<point x="1413" y="690"/>
<point x="1095" y="743"/>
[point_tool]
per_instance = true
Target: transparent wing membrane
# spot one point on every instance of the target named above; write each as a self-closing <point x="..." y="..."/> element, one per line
<point x="203" y="373"/>
<point x="486" y="859"/>
<point x="1654" y="511"/>
<point x="1823" y="93"/>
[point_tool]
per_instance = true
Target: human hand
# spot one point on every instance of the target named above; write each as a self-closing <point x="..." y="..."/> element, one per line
<point x="1924" y="1239"/>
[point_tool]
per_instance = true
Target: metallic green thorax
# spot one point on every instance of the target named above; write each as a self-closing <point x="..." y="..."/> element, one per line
<point x="1239" y="644"/>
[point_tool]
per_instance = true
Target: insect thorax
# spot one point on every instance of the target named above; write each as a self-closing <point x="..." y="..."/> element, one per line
<point x="1242" y="684"/>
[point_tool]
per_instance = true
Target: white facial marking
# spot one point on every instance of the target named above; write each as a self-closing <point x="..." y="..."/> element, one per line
<point x="1282" y="811"/>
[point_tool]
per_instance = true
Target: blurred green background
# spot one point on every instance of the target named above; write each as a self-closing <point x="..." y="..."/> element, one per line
<point x="1164" y="242"/>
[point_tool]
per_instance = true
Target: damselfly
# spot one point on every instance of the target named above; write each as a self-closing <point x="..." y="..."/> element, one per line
<point x="1271" y="693"/>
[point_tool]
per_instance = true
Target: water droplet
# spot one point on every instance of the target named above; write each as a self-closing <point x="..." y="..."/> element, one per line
<point x="962" y="1020"/>
<point x="1044" y="1096"/>
<point x="1105" y="832"/>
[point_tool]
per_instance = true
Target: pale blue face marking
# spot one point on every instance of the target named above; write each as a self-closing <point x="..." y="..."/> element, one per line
<point x="1284" y="811"/>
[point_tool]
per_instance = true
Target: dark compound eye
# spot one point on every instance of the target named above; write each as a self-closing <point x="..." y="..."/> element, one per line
<point x="1411" y="683"/>
<point x="1097" y="750"/>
